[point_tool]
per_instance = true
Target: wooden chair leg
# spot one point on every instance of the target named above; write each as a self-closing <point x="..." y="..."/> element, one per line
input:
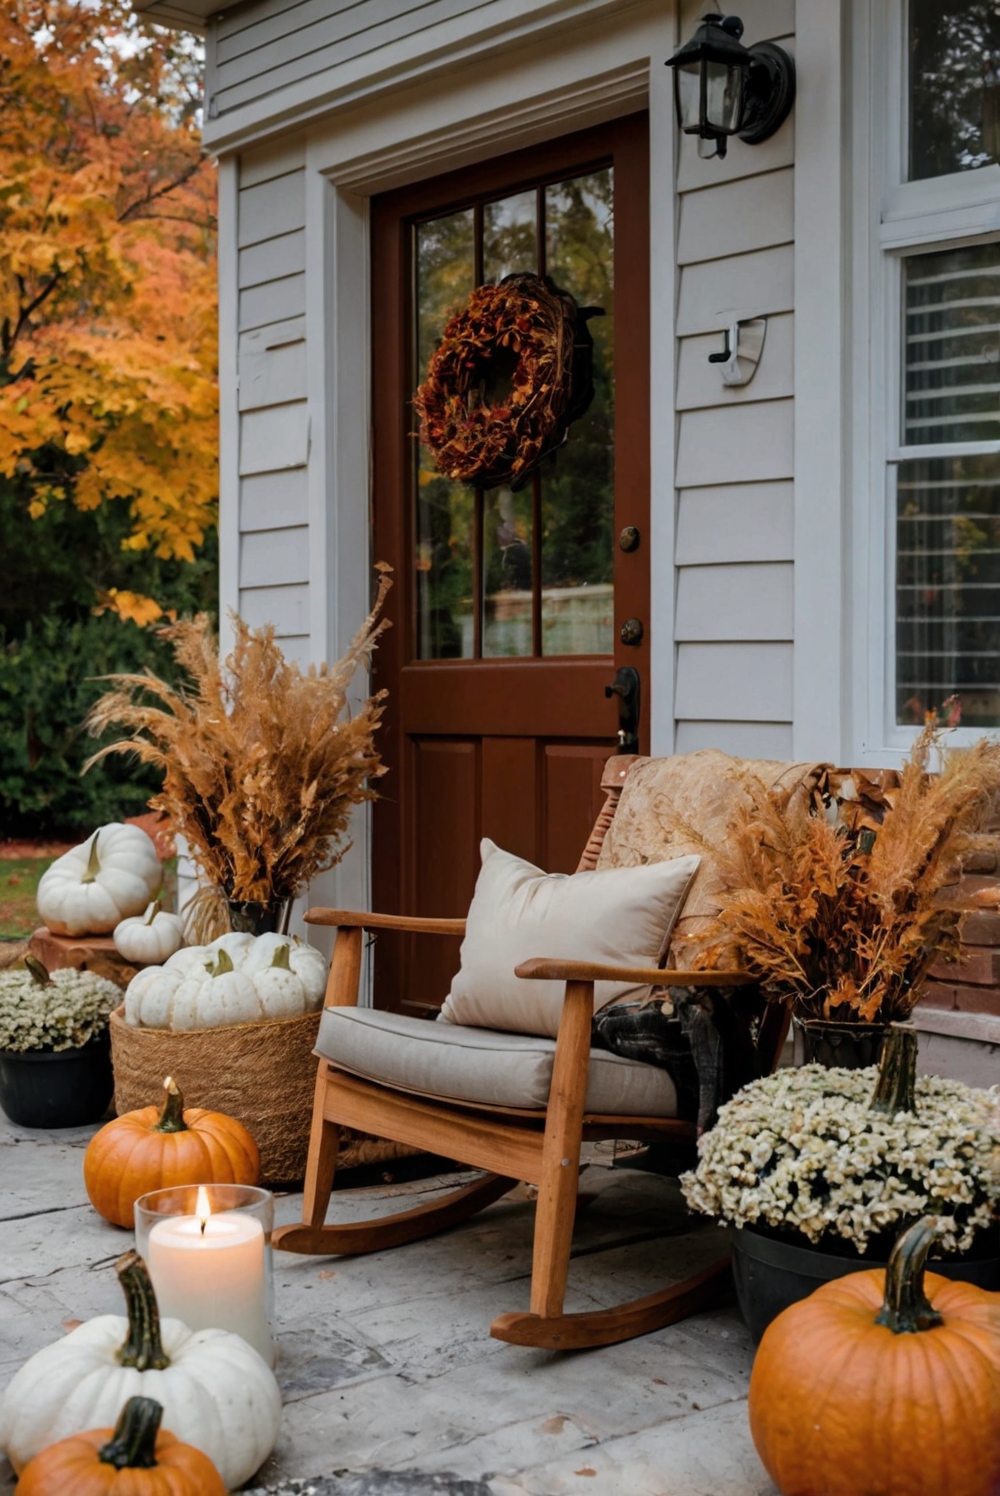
<point x="324" y="1141"/>
<point x="556" y="1208"/>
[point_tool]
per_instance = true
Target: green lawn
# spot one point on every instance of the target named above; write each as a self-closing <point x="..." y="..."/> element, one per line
<point x="18" y="881"/>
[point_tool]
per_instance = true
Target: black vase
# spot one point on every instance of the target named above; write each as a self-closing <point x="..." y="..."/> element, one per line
<point x="249" y="918"/>
<point x="62" y="1088"/>
<point x="844" y="1046"/>
<point x="772" y="1272"/>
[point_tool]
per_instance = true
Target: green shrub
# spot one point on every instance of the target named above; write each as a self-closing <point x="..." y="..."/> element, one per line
<point x="46" y="689"/>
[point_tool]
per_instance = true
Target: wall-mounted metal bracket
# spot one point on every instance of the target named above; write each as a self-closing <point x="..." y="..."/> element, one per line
<point x="744" y="344"/>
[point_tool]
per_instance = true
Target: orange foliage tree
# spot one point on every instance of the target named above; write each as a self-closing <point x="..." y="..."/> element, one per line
<point x="107" y="275"/>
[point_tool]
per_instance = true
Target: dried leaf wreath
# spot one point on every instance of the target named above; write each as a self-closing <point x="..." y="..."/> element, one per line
<point x="262" y="762"/>
<point x="513" y="369"/>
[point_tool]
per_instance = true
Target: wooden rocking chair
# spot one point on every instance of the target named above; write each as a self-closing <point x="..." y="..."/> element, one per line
<point x="485" y="1115"/>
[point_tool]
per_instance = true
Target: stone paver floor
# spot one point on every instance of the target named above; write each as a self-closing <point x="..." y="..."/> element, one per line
<point x="392" y="1384"/>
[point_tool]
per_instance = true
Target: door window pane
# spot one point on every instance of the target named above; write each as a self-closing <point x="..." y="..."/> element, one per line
<point x="578" y="487"/>
<point x="948" y="588"/>
<point x="954" y="54"/>
<point x="952" y="346"/>
<point x="507" y="569"/>
<point x="444" y="255"/>
<point x="510" y="235"/>
<point x="566" y="510"/>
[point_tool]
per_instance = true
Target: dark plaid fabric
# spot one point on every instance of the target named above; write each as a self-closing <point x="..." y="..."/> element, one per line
<point x="703" y="1037"/>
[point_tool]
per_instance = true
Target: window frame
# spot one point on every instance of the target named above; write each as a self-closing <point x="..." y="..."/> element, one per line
<point x="893" y="219"/>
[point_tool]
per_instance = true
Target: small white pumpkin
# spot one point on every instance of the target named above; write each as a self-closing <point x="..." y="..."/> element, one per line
<point x="151" y="938"/>
<point x="93" y="887"/>
<point x="237" y="979"/>
<point x="217" y="1392"/>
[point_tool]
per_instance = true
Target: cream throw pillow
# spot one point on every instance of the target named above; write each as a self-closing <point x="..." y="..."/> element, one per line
<point x="622" y="917"/>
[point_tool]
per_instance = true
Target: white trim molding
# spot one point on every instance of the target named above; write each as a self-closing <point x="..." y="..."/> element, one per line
<point x="891" y="217"/>
<point x="821" y="300"/>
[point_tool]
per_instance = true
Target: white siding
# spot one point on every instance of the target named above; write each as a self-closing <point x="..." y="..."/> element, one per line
<point x="734" y="615"/>
<point x="274" y="412"/>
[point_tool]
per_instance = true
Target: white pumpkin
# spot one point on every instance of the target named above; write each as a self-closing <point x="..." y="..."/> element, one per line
<point x="237" y="979"/>
<point x="217" y="1392"/>
<point x="151" y="938"/>
<point x="93" y="887"/>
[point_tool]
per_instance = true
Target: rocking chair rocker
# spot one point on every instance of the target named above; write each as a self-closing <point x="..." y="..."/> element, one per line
<point x="512" y="1105"/>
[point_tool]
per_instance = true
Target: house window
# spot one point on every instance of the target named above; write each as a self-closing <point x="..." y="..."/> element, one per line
<point x="954" y="87"/>
<point x="948" y="498"/>
<point x="930" y="346"/>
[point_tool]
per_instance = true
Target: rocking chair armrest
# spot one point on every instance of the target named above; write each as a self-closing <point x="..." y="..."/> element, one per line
<point x="545" y="969"/>
<point x="348" y="919"/>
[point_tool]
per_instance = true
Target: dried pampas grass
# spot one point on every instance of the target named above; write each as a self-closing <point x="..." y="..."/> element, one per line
<point x="262" y="763"/>
<point x="845" y="919"/>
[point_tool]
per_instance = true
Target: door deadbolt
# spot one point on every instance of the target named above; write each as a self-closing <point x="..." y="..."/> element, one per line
<point x="629" y="539"/>
<point x="631" y="631"/>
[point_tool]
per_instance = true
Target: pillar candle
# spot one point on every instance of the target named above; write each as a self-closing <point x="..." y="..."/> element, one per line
<point x="208" y="1270"/>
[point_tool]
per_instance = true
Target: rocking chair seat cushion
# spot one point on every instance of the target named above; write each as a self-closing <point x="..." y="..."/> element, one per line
<point x="480" y="1066"/>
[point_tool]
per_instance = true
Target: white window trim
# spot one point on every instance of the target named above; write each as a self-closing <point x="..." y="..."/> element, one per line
<point x="890" y="218"/>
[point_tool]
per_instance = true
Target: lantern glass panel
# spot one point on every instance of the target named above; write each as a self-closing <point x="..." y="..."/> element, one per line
<point x="688" y="80"/>
<point x="723" y="97"/>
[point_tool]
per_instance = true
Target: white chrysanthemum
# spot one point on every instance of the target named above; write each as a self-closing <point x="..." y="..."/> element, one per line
<point x="801" y="1150"/>
<point x="63" y="1015"/>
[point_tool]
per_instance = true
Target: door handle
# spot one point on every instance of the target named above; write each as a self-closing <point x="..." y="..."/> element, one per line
<point x="628" y="688"/>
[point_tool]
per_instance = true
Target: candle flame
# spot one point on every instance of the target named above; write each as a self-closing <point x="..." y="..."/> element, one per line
<point x="202" y="1208"/>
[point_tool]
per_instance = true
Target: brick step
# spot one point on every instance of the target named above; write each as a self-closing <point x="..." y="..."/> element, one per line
<point x="980" y="965"/>
<point x="959" y="995"/>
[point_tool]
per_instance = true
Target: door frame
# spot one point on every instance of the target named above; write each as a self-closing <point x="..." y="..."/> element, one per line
<point x="627" y="141"/>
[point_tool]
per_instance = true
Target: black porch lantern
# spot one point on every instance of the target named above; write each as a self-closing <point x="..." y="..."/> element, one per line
<point x="723" y="88"/>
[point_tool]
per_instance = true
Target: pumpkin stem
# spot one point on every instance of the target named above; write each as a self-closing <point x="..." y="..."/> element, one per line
<point x="93" y="862"/>
<point x="151" y="912"/>
<point x="39" y="971"/>
<point x="172" y="1116"/>
<point x="223" y="963"/>
<point x="132" y="1446"/>
<point x="143" y="1348"/>
<point x="280" y="958"/>
<point x="895" y="1089"/>
<point x="906" y="1309"/>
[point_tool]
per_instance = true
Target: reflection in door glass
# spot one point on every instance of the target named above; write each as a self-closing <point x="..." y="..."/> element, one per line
<point x="507" y="547"/>
<point x="445" y="275"/>
<point x="510" y="235"/>
<point x="578" y="489"/>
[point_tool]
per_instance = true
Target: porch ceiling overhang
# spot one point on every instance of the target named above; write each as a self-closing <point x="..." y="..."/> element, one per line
<point x="181" y="15"/>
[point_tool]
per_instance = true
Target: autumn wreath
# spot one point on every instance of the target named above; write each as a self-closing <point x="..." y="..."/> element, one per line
<point x="513" y="369"/>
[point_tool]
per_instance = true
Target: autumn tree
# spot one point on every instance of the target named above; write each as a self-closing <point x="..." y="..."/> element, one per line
<point x="107" y="278"/>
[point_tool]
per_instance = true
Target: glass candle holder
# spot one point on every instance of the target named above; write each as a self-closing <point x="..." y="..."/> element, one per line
<point x="208" y="1251"/>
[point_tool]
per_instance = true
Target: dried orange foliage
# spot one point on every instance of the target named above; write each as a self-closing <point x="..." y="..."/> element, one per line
<point x="107" y="294"/>
<point x="262" y="763"/>
<point x="499" y="381"/>
<point x="846" y="919"/>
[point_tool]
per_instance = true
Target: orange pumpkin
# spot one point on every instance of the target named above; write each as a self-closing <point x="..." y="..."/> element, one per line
<point x="134" y="1459"/>
<point x="869" y="1385"/>
<point x="151" y="1150"/>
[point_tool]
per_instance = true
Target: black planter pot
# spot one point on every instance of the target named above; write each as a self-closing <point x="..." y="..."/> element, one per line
<point x="68" y="1088"/>
<point x="847" y="1046"/>
<point x="771" y="1273"/>
<point x="259" y="919"/>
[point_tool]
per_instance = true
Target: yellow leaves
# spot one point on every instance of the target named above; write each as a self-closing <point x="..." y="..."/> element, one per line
<point x="130" y="606"/>
<point x="107" y="294"/>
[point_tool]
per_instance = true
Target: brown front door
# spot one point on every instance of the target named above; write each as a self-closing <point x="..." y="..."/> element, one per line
<point x="509" y="608"/>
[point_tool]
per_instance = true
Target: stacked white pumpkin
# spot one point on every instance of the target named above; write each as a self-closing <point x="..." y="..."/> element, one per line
<point x="236" y="979"/>
<point x="108" y="879"/>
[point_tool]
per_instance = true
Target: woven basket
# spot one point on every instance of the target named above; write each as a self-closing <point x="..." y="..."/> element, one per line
<point x="263" y="1074"/>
